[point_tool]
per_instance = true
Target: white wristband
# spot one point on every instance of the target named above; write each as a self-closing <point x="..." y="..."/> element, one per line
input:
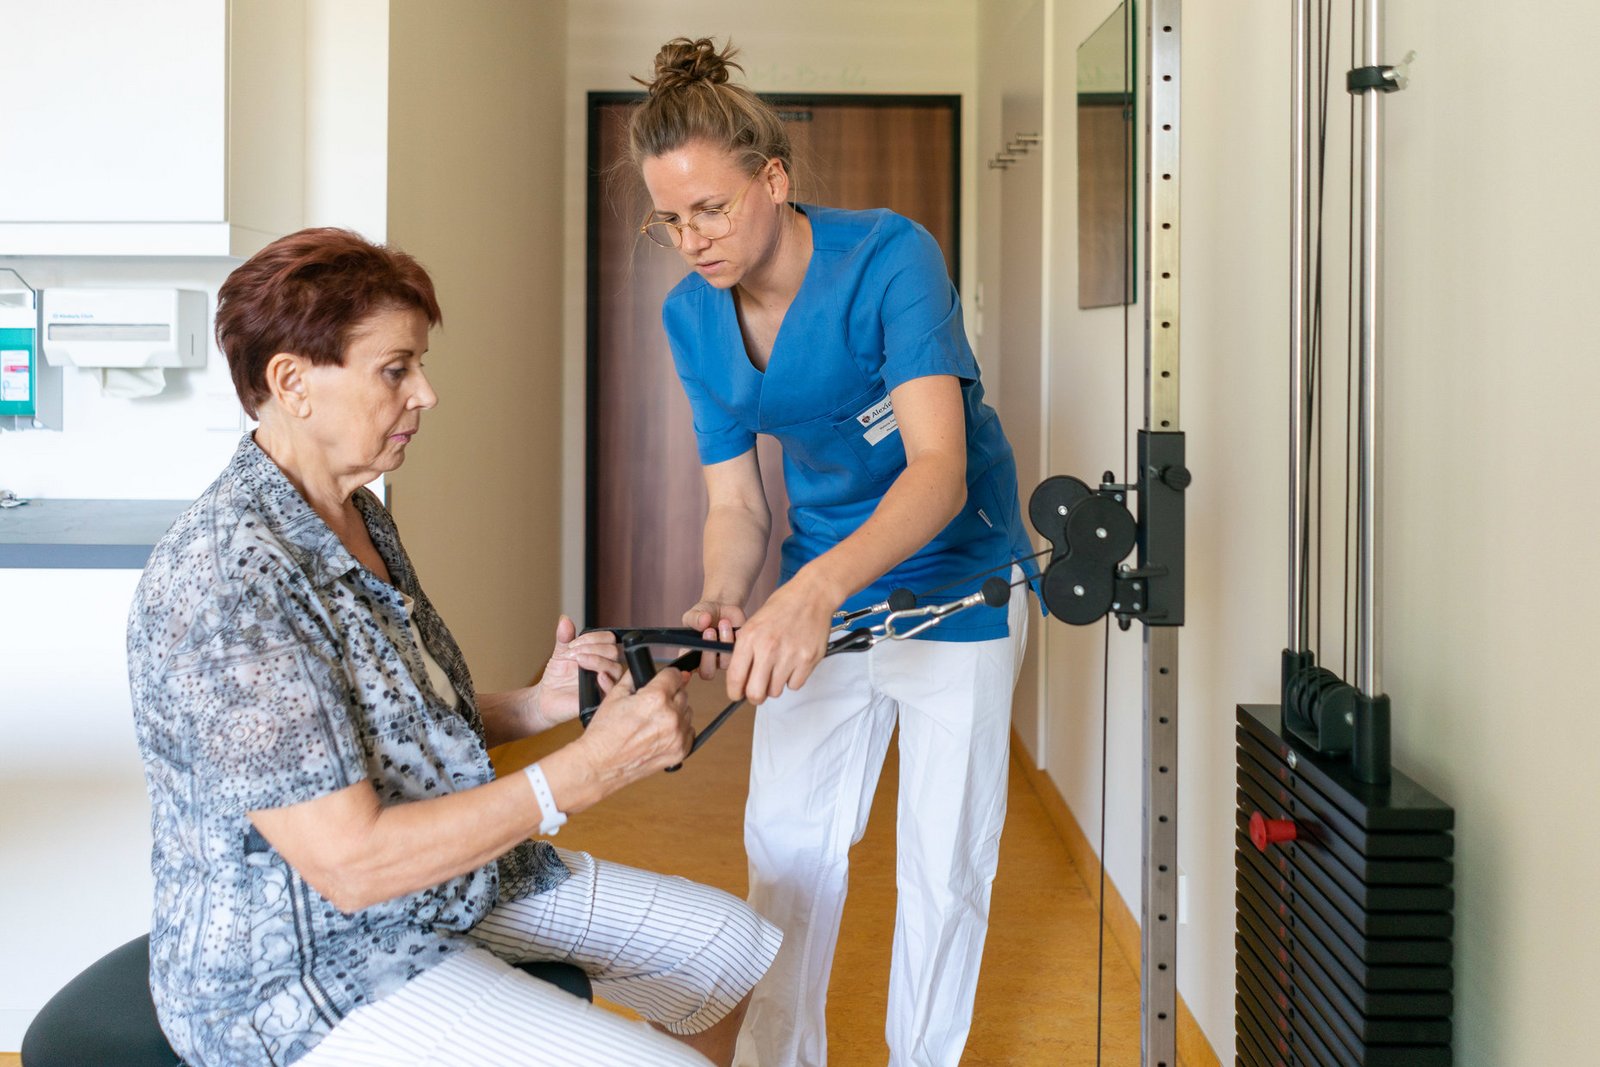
<point x="553" y="820"/>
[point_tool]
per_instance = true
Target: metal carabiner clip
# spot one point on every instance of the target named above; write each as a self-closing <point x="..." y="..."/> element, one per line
<point x="899" y="600"/>
<point x="994" y="593"/>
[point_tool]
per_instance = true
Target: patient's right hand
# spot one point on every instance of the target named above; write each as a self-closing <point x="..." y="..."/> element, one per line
<point x="636" y="734"/>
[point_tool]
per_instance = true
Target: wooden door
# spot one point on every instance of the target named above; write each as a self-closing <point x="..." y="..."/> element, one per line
<point x="646" y="499"/>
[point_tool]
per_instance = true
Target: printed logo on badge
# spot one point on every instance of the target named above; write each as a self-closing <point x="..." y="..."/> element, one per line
<point x="875" y="412"/>
<point x="878" y="421"/>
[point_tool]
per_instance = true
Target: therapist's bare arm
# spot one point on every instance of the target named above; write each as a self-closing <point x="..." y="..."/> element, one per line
<point x="781" y="643"/>
<point x="357" y="852"/>
<point x="738" y="523"/>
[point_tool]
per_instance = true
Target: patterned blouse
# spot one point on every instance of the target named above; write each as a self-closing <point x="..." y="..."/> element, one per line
<point x="268" y="667"/>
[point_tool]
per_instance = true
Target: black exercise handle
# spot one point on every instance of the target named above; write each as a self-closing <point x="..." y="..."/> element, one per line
<point x="636" y="645"/>
<point x="641" y="664"/>
<point x="857" y="640"/>
<point x="589" y="694"/>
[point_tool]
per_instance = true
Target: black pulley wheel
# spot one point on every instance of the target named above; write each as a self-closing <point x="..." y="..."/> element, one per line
<point x="1078" y="594"/>
<point x="1102" y="530"/>
<point x="1050" y="504"/>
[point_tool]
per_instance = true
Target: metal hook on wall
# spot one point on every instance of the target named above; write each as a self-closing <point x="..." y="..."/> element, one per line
<point x="1023" y="143"/>
<point x="1019" y="145"/>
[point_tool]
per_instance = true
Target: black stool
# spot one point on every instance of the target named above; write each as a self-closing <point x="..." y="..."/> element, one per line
<point x="104" y="1017"/>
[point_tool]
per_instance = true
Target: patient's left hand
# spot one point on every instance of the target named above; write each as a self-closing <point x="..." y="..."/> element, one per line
<point x="557" y="691"/>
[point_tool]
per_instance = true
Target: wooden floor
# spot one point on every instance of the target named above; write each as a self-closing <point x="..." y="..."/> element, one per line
<point x="1036" y="994"/>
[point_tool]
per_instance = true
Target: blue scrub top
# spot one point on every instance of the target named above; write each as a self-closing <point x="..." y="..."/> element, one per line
<point x="876" y="309"/>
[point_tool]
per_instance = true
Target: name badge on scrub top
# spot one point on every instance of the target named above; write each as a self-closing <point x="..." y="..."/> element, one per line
<point x="878" y="421"/>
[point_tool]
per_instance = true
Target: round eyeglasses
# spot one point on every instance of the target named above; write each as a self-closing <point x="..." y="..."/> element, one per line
<point x="712" y="223"/>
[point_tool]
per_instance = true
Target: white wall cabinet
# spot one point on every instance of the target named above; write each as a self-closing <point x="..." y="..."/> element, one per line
<point x="174" y="128"/>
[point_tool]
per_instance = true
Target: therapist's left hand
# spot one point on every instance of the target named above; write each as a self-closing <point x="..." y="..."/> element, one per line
<point x="779" y="646"/>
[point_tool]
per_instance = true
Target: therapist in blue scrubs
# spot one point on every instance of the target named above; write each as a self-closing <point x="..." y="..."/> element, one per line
<point x="840" y="334"/>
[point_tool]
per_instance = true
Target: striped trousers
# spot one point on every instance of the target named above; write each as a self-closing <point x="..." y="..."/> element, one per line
<point x="680" y="954"/>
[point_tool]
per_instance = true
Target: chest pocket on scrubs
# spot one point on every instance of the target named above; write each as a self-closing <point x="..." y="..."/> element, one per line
<point x="872" y="435"/>
<point x="833" y="447"/>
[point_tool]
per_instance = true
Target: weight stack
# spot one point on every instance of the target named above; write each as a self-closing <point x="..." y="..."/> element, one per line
<point x="1344" y="910"/>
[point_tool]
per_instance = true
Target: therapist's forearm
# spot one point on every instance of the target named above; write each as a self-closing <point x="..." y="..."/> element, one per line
<point x="928" y="494"/>
<point x="735" y="549"/>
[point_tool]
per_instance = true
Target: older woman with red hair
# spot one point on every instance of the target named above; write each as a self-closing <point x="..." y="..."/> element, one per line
<point x="340" y="877"/>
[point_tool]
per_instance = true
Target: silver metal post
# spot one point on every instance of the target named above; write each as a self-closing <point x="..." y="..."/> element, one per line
<point x="1158" y="964"/>
<point x="1299" y="319"/>
<point x="1161" y="227"/>
<point x="1158" y="973"/>
<point x="1368" y="677"/>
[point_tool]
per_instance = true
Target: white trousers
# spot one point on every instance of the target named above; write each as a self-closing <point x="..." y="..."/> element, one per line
<point x="679" y="953"/>
<point x="814" y="768"/>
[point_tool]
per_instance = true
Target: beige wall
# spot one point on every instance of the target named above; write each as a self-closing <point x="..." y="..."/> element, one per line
<point x="1491" y="371"/>
<point x="1013" y="276"/>
<point x="1490" y="628"/>
<point x="475" y="192"/>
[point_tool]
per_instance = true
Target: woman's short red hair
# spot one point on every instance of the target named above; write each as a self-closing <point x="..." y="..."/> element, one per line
<point x="305" y="294"/>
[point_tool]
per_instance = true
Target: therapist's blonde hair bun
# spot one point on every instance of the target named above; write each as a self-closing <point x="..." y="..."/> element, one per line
<point x="684" y="62"/>
<point x="692" y="97"/>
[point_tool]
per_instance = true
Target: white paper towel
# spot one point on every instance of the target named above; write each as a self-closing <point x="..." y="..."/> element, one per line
<point x="130" y="383"/>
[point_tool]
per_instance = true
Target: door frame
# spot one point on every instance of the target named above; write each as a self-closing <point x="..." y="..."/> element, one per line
<point x="591" y="329"/>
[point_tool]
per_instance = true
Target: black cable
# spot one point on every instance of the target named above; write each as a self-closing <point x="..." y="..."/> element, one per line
<point x="1128" y="27"/>
<point x="1325" y="40"/>
<point x="1346" y="636"/>
<point x="1312" y="402"/>
<point x="986" y="570"/>
<point x="1127" y="275"/>
<point x="1130" y="113"/>
<point x="1309" y="401"/>
<point x="1100" y="926"/>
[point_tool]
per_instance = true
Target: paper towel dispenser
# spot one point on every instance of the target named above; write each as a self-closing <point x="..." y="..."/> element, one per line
<point x="124" y="328"/>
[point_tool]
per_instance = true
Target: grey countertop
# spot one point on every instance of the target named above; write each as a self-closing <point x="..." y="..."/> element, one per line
<point x="64" y="534"/>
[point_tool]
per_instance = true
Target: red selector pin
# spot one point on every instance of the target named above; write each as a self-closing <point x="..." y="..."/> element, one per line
<point x="1265" y="831"/>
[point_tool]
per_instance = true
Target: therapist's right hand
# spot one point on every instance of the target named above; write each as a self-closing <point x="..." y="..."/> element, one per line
<point x="716" y="621"/>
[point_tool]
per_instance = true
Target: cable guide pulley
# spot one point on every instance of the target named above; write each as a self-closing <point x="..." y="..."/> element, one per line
<point x="1091" y="532"/>
<point x="1331" y="716"/>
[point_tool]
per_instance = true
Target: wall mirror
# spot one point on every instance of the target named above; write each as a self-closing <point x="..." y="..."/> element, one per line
<point x="1106" y="192"/>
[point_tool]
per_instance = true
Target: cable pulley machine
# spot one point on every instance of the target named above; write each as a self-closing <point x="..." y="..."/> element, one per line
<point x="1091" y="532"/>
<point x="1343" y="865"/>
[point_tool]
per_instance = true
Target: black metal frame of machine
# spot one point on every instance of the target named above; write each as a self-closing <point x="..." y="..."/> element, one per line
<point x="1091" y="532"/>
<point x="1343" y="865"/>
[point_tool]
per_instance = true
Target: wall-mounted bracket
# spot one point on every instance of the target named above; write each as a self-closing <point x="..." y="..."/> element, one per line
<point x="1091" y="531"/>
<point x="1366" y="79"/>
